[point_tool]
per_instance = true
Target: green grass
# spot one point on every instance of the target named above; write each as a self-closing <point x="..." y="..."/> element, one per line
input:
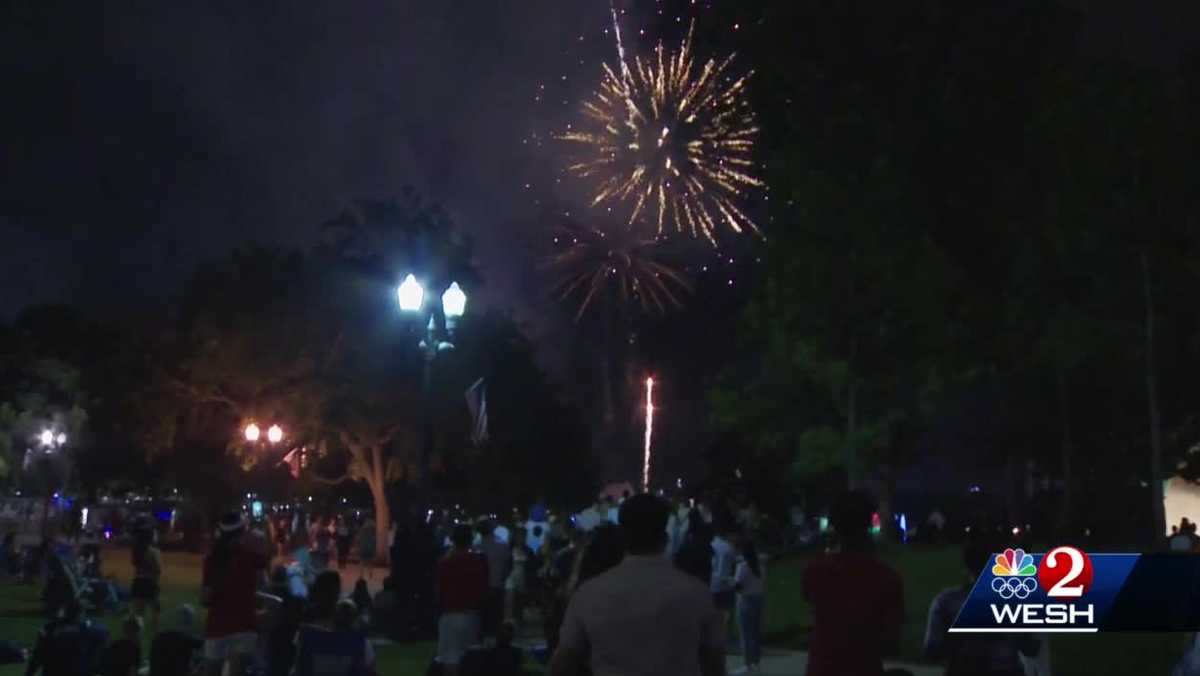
<point x="928" y="570"/>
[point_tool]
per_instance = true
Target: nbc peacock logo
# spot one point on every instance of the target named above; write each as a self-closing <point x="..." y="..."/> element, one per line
<point x="1015" y="574"/>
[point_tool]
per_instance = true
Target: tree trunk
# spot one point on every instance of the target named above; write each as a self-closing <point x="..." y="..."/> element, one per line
<point x="1156" y="473"/>
<point x="851" y="452"/>
<point x="887" y="491"/>
<point x="383" y="513"/>
<point x="1066" y="513"/>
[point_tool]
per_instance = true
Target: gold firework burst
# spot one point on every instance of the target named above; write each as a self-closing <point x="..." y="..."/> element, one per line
<point x="674" y="141"/>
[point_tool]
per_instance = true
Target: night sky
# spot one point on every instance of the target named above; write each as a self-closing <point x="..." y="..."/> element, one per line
<point x="141" y="137"/>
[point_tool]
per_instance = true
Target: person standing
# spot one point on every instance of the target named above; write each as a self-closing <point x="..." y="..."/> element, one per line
<point x="642" y="617"/>
<point x="750" y="581"/>
<point x="515" y="582"/>
<point x="857" y="600"/>
<point x="147" y="569"/>
<point x="461" y="587"/>
<point x="343" y="539"/>
<point x="612" y="510"/>
<point x="230" y="580"/>
<point x="973" y="654"/>
<point x="724" y="565"/>
<point x="366" y="549"/>
<point x="499" y="560"/>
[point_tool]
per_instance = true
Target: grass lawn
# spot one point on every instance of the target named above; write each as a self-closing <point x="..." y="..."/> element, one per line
<point x="928" y="570"/>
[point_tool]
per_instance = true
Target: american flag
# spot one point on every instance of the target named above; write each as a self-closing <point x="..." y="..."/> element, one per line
<point x="477" y="403"/>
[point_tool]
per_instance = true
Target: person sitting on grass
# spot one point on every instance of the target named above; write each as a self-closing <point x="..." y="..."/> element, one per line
<point x="974" y="654"/>
<point x="330" y="644"/>
<point x="123" y="657"/>
<point x="67" y="645"/>
<point x="502" y="659"/>
<point x="61" y="588"/>
<point x="362" y="598"/>
<point x="174" y="651"/>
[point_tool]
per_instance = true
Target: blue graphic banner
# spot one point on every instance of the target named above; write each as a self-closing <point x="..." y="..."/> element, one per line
<point x="1063" y="590"/>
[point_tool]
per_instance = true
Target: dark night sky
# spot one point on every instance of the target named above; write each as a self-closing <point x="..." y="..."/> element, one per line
<point x="142" y="136"/>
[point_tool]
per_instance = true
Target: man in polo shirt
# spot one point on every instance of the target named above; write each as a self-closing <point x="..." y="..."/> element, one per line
<point x="462" y="585"/>
<point x="643" y="617"/>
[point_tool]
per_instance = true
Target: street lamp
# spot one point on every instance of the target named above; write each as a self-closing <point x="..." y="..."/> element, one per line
<point x="252" y="432"/>
<point x="47" y="438"/>
<point x="454" y="304"/>
<point x="275" y="434"/>
<point x="411" y="295"/>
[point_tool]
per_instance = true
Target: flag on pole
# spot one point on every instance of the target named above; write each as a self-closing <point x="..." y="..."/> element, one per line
<point x="292" y="460"/>
<point x="477" y="404"/>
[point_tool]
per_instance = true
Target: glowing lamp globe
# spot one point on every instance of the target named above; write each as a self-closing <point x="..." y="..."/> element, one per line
<point x="454" y="301"/>
<point x="410" y="294"/>
<point x="47" y="438"/>
<point x="252" y="432"/>
<point x="62" y="439"/>
<point x="275" y="434"/>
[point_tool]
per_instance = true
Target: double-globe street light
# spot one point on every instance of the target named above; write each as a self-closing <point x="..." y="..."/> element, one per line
<point x="411" y="296"/>
<point x="253" y="433"/>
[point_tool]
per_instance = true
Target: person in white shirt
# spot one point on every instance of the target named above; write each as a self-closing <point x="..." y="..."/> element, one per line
<point x="592" y="517"/>
<point x="749" y="582"/>
<point x="642" y="617"/>
<point x="499" y="559"/>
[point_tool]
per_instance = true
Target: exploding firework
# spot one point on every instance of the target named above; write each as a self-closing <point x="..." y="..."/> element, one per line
<point x="593" y="263"/>
<point x="671" y="141"/>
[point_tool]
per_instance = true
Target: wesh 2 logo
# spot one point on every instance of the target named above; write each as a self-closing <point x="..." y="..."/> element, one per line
<point x="1065" y="573"/>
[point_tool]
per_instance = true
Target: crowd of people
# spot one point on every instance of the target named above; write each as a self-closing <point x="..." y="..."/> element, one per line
<point x="631" y="585"/>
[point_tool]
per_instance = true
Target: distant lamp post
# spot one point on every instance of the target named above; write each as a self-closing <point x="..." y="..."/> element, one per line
<point x="454" y="305"/>
<point x="275" y="434"/>
<point x="252" y="433"/>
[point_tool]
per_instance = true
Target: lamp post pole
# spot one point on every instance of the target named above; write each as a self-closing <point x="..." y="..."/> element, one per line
<point x="411" y="296"/>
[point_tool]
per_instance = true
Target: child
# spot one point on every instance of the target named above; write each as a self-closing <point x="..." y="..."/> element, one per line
<point x="123" y="657"/>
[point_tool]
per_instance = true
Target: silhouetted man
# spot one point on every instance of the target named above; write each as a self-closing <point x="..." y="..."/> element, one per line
<point x="642" y="617"/>
<point x="858" y="601"/>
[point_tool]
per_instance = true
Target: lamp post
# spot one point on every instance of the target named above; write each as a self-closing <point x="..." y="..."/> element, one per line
<point x="411" y="296"/>
<point x="51" y="443"/>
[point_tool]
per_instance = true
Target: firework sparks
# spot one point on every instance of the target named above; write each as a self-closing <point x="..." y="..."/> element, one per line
<point x="671" y="141"/>
<point x="618" y="265"/>
<point x="649" y="434"/>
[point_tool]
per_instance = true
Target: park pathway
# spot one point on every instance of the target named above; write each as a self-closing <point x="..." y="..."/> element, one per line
<point x="784" y="663"/>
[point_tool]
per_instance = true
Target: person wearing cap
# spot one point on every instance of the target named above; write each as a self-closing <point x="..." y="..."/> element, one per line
<point x="643" y="616"/>
<point x="231" y="574"/>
